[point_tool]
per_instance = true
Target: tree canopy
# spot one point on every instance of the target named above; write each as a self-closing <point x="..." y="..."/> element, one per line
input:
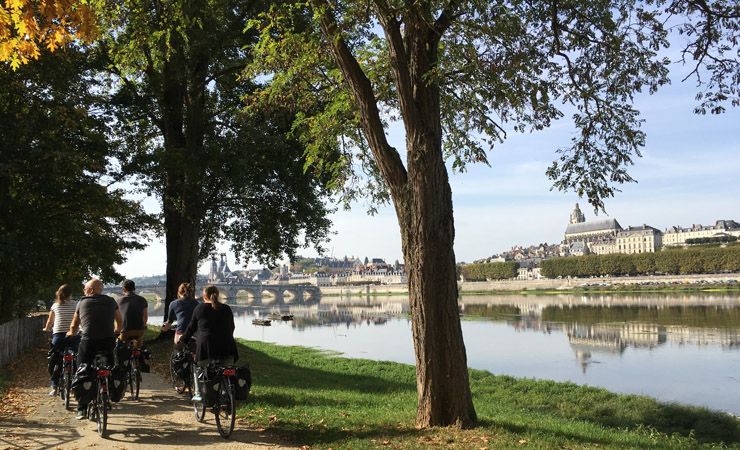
<point x="61" y="220"/>
<point x="219" y="174"/>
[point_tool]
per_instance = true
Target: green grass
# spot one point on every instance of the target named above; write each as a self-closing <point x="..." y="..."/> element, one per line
<point x="317" y="399"/>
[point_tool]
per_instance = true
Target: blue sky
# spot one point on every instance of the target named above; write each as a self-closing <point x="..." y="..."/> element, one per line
<point x="688" y="175"/>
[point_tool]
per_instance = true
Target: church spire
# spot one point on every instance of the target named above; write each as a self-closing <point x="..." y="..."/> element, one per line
<point x="577" y="216"/>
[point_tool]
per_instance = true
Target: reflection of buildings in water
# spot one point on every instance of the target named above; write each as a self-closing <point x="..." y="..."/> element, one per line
<point x="611" y="339"/>
<point x="728" y="339"/>
<point x="306" y="316"/>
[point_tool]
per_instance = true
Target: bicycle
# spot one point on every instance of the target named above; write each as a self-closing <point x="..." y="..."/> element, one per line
<point x="133" y="377"/>
<point x="182" y="366"/>
<point x="224" y="406"/>
<point x="69" y="367"/>
<point x="97" y="410"/>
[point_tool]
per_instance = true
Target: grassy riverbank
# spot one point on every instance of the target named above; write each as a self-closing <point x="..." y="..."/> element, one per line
<point x="323" y="401"/>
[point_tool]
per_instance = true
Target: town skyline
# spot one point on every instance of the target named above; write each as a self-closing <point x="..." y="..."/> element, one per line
<point x="687" y="176"/>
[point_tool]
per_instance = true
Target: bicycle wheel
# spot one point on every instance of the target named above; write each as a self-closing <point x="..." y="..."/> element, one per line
<point x="199" y="408"/>
<point x="66" y="388"/>
<point x="225" y="408"/>
<point x="136" y="381"/>
<point x="101" y="409"/>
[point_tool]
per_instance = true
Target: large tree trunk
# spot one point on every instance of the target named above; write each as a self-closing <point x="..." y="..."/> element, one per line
<point x="427" y="231"/>
<point x="423" y="200"/>
<point x="183" y="125"/>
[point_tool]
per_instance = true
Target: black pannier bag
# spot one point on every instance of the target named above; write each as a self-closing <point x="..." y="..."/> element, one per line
<point x="117" y="383"/>
<point x="83" y="383"/>
<point x="146" y="356"/>
<point x="208" y="378"/>
<point x="54" y="362"/>
<point x="181" y="364"/>
<point x="243" y="382"/>
<point x="121" y="355"/>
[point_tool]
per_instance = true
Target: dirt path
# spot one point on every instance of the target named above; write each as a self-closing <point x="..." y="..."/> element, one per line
<point x="31" y="419"/>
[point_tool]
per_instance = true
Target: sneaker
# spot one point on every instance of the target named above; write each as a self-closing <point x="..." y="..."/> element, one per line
<point x="197" y="398"/>
<point x="80" y="414"/>
<point x="53" y="392"/>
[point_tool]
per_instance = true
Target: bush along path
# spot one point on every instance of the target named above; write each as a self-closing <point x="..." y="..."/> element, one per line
<point x="31" y="419"/>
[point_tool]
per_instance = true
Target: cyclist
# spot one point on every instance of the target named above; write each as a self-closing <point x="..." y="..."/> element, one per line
<point x="214" y="323"/>
<point x="96" y="314"/>
<point x="60" y="317"/>
<point x="181" y="310"/>
<point x="134" y="310"/>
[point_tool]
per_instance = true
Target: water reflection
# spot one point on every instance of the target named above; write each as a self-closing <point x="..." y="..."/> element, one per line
<point x="674" y="347"/>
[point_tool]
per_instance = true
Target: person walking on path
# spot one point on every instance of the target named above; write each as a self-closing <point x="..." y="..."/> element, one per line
<point x="60" y="317"/>
<point x="214" y="323"/>
<point x="134" y="310"/>
<point x="95" y="314"/>
<point x="181" y="311"/>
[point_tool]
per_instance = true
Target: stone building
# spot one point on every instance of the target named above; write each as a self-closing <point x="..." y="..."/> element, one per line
<point x="677" y="235"/>
<point x="643" y="239"/>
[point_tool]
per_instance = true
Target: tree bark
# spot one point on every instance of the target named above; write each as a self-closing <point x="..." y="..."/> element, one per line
<point x="183" y="94"/>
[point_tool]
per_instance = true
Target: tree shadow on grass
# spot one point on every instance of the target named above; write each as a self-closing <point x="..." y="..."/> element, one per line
<point x="325" y="373"/>
<point x="318" y="376"/>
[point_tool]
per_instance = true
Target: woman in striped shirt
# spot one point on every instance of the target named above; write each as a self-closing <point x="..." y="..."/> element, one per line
<point x="60" y="317"/>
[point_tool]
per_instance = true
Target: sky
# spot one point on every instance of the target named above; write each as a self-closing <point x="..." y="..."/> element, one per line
<point x="688" y="174"/>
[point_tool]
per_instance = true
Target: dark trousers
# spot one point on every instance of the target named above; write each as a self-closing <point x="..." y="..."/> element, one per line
<point x="88" y="349"/>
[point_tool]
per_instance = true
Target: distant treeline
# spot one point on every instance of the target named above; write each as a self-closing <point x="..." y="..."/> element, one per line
<point x="490" y="271"/>
<point x="712" y="240"/>
<point x="673" y="262"/>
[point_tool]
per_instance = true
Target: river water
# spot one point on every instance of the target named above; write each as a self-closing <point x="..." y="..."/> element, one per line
<point x="674" y="347"/>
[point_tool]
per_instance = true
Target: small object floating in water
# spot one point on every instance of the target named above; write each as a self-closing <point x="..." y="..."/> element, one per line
<point x="263" y="322"/>
<point x="287" y="317"/>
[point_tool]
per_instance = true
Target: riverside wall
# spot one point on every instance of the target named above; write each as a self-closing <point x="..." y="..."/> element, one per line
<point x="532" y="285"/>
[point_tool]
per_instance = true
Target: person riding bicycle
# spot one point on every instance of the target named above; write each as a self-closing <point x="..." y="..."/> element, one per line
<point x="60" y="317"/>
<point x="134" y="310"/>
<point x="96" y="314"/>
<point x="214" y="323"/>
<point x="181" y="310"/>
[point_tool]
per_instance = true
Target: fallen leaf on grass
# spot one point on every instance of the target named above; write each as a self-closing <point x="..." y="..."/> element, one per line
<point x="386" y="442"/>
<point x="522" y="441"/>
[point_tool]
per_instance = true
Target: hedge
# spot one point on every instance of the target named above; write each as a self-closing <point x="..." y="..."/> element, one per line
<point x="673" y="262"/>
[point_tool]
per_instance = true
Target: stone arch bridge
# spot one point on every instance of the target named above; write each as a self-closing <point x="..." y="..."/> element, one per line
<point x="243" y="293"/>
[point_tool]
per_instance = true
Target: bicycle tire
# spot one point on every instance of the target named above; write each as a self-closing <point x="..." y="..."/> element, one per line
<point x="101" y="406"/>
<point x="66" y="388"/>
<point x="225" y="409"/>
<point x="200" y="411"/>
<point x="137" y="381"/>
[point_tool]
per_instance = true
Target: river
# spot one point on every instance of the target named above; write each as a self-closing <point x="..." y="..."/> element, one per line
<point x="675" y="347"/>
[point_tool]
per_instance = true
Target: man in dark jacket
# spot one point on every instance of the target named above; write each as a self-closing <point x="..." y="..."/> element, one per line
<point x="95" y="315"/>
<point x="134" y="309"/>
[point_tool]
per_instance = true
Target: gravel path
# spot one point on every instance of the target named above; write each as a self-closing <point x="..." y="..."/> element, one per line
<point x="31" y="419"/>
